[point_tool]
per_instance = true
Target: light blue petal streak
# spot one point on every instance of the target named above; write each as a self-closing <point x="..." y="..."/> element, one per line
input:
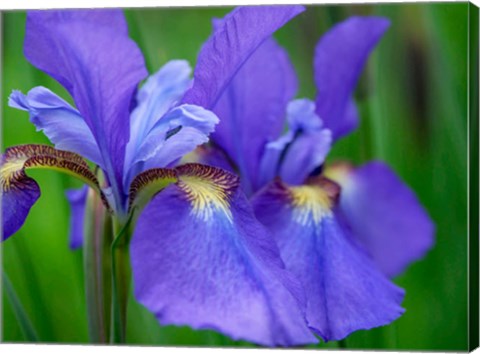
<point x="59" y="121"/>
<point x="177" y="133"/>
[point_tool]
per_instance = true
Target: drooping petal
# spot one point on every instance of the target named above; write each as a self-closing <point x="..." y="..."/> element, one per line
<point x="300" y="150"/>
<point x="200" y="258"/>
<point x="78" y="201"/>
<point x="252" y="108"/>
<point x="19" y="192"/>
<point x="232" y="43"/>
<point x="60" y="122"/>
<point x="90" y="53"/>
<point x="345" y="291"/>
<point x="154" y="99"/>
<point x="384" y="215"/>
<point x="177" y="133"/>
<point x="340" y="56"/>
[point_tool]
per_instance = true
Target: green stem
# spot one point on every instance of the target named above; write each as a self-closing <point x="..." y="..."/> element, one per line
<point x="96" y="261"/>
<point x="20" y="313"/>
<point x="121" y="275"/>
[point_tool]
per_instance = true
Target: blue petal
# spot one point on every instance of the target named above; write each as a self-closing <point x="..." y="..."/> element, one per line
<point x="155" y="98"/>
<point x="300" y="150"/>
<point x="78" y="202"/>
<point x="340" y="56"/>
<point x="345" y="291"/>
<point x="252" y="108"/>
<point x="200" y="258"/>
<point x="60" y="122"/>
<point x="384" y="214"/>
<point x="243" y="30"/>
<point x="177" y="133"/>
<point x="91" y="55"/>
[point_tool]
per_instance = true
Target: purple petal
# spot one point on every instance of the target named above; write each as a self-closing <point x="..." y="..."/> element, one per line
<point x="242" y="32"/>
<point x="60" y="122"/>
<point x="177" y="133"/>
<point x="345" y="291"/>
<point x="89" y="53"/>
<point x="385" y="216"/>
<point x="340" y="56"/>
<point x="16" y="204"/>
<point x="155" y="98"/>
<point x="310" y="147"/>
<point x="78" y="202"/>
<point x="300" y="150"/>
<point x="252" y="108"/>
<point x="200" y="258"/>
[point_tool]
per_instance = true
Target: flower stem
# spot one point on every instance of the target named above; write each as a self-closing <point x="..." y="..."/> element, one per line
<point x="121" y="275"/>
<point x="96" y="262"/>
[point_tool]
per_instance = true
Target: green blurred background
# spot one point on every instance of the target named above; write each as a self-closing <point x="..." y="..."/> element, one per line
<point x="413" y="104"/>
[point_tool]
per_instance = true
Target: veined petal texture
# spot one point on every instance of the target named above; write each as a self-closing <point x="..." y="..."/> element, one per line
<point x="242" y="31"/>
<point x="59" y="121"/>
<point x="201" y="259"/>
<point x="91" y="55"/>
<point x="252" y="108"/>
<point x="345" y="291"/>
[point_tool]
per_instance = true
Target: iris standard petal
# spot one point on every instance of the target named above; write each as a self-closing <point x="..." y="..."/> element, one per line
<point x="90" y="53"/>
<point x="223" y="54"/>
<point x="252" y="108"/>
<point x="304" y="155"/>
<point x="384" y="215"/>
<point x="345" y="291"/>
<point x="310" y="146"/>
<point x="60" y="122"/>
<point x="177" y="133"/>
<point x="340" y="56"/>
<point x="154" y="99"/>
<point x="19" y="192"/>
<point x="78" y="202"/>
<point x="300" y="150"/>
<point x="200" y="258"/>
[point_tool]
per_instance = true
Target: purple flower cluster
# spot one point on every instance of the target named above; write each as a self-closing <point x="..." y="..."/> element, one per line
<point x="259" y="238"/>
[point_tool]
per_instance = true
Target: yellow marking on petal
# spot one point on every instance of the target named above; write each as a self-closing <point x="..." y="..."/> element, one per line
<point x="206" y="197"/>
<point x="208" y="189"/>
<point x="311" y="204"/>
<point x="8" y="172"/>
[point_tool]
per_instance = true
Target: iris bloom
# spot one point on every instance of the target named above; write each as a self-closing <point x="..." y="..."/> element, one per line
<point x="199" y="256"/>
<point x="341" y="230"/>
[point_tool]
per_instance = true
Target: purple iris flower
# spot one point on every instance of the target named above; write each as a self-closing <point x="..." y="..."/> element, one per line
<point x="199" y="256"/>
<point x="341" y="230"/>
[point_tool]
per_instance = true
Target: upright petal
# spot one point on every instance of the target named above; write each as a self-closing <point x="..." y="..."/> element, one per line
<point x="90" y="53"/>
<point x="155" y="98"/>
<point x="345" y="291"/>
<point x="78" y="201"/>
<point x="177" y="133"/>
<point x="311" y="145"/>
<point x="252" y="108"/>
<point x="19" y="192"/>
<point x="340" y="56"/>
<point x="200" y="259"/>
<point x="300" y="150"/>
<point x="60" y="122"/>
<point x="232" y="43"/>
<point x="384" y="215"/>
